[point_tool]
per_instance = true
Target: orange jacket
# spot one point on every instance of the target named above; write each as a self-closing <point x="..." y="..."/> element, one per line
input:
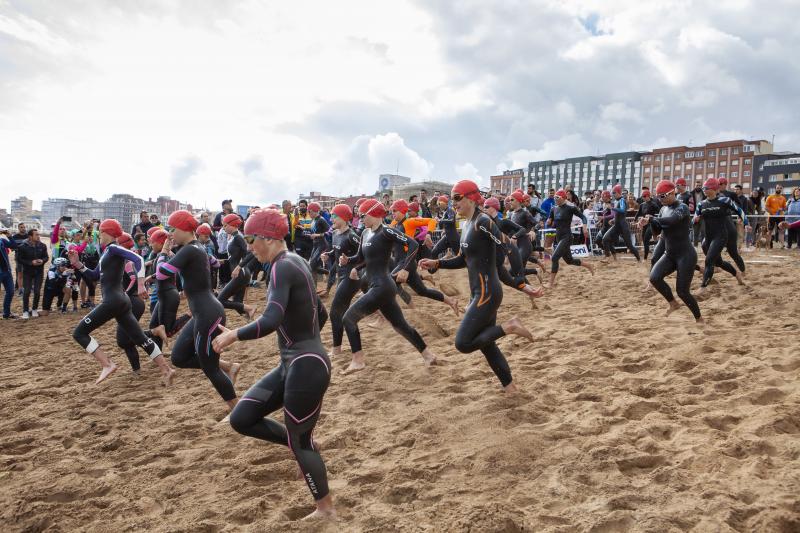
<point x="775" y="203"/>
<point x="411" y="225"/>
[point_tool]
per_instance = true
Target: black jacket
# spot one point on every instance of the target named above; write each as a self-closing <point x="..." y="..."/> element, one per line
<point x="29" y="251"/>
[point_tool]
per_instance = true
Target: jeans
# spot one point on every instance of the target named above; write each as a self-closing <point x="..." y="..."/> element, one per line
<point x="32" y="279"/>
<point x="7" y="281"/>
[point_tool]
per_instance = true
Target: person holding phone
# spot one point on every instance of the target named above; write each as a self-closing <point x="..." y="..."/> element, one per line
<point x="33" y="256"/>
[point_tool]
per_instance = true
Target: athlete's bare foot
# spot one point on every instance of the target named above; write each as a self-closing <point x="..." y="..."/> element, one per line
<point x="589" y="267"/>
<point x="161" y="333"/>
<point x="336" y="350"/>
<point x="428" y="357"/>
<point x="453" y="303"/>
<point x="323" y="293"/>
<point x="233" y="372"/>
<point x="516" y="327"/>
<point x="358" y="363"/>
<point x="510" y="388"/>
<point x="168" y="376"/>
<point x="107" y="371"/>
<point x="425" y="275"/>
<point x="377" y="322"/>
<point x="673" y="306"/>
<point x="321" y="516"/>
<point x="250" y="311"/>
<point x="700" y="320"/>
<point x="739" y="278"/>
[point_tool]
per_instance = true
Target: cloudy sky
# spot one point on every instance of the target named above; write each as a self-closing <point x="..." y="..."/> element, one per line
<point x="260" y="101"/>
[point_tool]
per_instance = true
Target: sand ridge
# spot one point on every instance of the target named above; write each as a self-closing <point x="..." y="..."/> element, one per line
<point x="627" y="421"/>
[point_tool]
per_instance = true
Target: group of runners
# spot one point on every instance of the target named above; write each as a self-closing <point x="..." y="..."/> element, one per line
<point x="374" y="251"/>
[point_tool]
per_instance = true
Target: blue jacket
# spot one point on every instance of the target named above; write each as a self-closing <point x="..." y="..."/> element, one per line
<point x="547" y="205"/>
<point x="5" y="245"/>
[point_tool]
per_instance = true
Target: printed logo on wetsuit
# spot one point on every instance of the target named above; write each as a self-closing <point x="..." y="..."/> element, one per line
<point x="311" y="484"/>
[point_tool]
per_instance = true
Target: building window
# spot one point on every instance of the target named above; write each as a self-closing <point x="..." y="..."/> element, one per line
<point x="734" y="174"/>
<point x="658" y="158"/>
<point x="678" y="156"/>
<point x="667" y="168"/>
<point x="723" y="151"/>
<point x="699" y="153"/>
<point x="746" y="173"/>
<point x="667" y="157"/>
<point x="735" y="151"/>
<point x="710" y="164"/>
<point x="735" y="162"/>
<point x="749" y="148"/>
<point x="723" y="163"/>
<point x="712" y="153"/>
<point x="773" y="177"/>
<point x="698" y="165"/>
<point x="748" y="161"/>
<point x="721" y="174"/>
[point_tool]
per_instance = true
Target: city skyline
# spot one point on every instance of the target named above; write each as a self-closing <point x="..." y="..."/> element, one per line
<point x="267" y="101"/>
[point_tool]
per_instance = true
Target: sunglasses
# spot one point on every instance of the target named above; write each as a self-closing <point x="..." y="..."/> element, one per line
<point x="250" y="239"/>
<point x="457" y="197"/>
<point x="662" y="196"/>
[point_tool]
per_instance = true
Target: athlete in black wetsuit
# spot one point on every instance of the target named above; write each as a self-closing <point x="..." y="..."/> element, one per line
<point x="116" y="303"/>
<point x="374" y="252"/>
<point x="713" y="211"/>
<point x="673" y="222"/>
<point x="345" y="242"/>
<point x="620" y="227"/>
<point x="478" y="329"/>
<point x="649" y="207"/>
<point x="561" y="218"/>
<point x="513" y="277"/>
<point x="523" y="217"/>
<point x="319" y="227"/>
<point x="193" y="348"/>
<point x="129" y="285"/>
<point x="447" y="224"/>
<point x="299" y="382"/>
<point x="400" y="209"/>
<point x="732" y="244"/>
<point x="232" y="294"/>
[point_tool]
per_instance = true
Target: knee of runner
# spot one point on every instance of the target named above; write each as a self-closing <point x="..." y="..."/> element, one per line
<point x="239" y="422"/>
<point x="463" y="346"/>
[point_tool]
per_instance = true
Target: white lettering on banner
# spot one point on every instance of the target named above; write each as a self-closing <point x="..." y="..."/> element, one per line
<point x="579" y="250"/>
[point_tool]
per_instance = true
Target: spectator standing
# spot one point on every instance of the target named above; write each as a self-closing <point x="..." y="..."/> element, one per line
<point x="227" y="209"/>
<point x="747" y="206"/>
<point x="33" y="255"/>
<point x="424" y="204"/>
<point x="6" y="274"/>
<point x="547" y="205"/>
<point x="143" y="225"/>
<point x="20" y="235"/>
<point x="792" y="216"/>
<point x="775" y="205"/>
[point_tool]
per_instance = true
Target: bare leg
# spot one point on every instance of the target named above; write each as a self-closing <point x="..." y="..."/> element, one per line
<point x="588" y="266"/>
<point x="510" y="388"/>
<point x="428" y="357"/>
<point x="453" y="303"/>
<point x="167" y="372"/>
<point x="673" y="306"/>
<point x="336" y="350"/>
<point x="552" y="280"/>
<point x="161" y="332"/>
<point x="232" y="369"/>
<point x="250" y="311"/>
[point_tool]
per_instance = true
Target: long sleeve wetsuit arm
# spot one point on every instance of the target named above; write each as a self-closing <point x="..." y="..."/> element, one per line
<point x="280" y="286"/>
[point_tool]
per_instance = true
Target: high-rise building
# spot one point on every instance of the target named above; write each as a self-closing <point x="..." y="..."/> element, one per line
<point x="776" y="169"/>
<point x="431" y="187"/>
<point x="387" y="182"/>
<point x="729" y="159"/>
<point x="22" y="205"/>
<point x="588" y="173"/>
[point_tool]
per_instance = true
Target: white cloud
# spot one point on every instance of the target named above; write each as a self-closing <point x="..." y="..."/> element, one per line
<point x="468" y="171"/>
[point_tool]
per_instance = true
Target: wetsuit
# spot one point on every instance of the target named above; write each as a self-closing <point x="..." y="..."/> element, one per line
<point x="524" y="218"/>
<point x="54" y="288"/>
<point x="478" y="329"/>
<point x="165" y="312"/>
<point x="193" y="347"/>
<point x="732" y="244"/>
<point x="115" y="304"/>
<point x="375" y="252"/>
<point x="321" y="226"/>
<point x="561" y="218"/>
<point x="236" y="287"/>
<point x="676" y="255"/>
<point x="514" y="276"/>
<point x="345" y="243"/>
<point x="713" y="213"/>
<point x="648" y="207"/>
<point x="299" y="383"/>
<point x="124" y="341"/>
<point x="619" y="207"/>
<point x="413" y="281"/>
<point x="449" y="238"/>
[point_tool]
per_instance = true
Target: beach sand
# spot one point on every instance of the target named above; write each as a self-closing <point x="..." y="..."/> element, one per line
<point x="626" y="421"/>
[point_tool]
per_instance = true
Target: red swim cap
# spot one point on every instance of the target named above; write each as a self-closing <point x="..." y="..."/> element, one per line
<point x="360" y="201"/>
<point x="681" y="182"/>
<point x="314" y="206"/>
<point x="183" y="220"/>
<point x="468" y="189"/>
<point x="111" y="227"/>
<point x="617" y="188"/>
<point x="159" y="236"/>
<point x="232" y="220"/>
<point x="491" y="202"/>
<point x="372" y="208"/>
<point x="125" y="240"/>
<point x="605" y="194"/>
<point x="400" y="205"/>
<point x="518" y="195"/>
<point x="561" y="193"/>
<point x="414" y="207"/>
<point x="203" y="229"/>
<point x="723" y="181"/>
<point x="269" y="223"/>
<point x="664" y="186"/>
<point x="645" y="194"/>
<point x="343" y="211"/>
<point x="711" y="183"/>
<point x="152" y="230"/>
<point x="526" y="197"/>
<point x="443" y="199"/>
